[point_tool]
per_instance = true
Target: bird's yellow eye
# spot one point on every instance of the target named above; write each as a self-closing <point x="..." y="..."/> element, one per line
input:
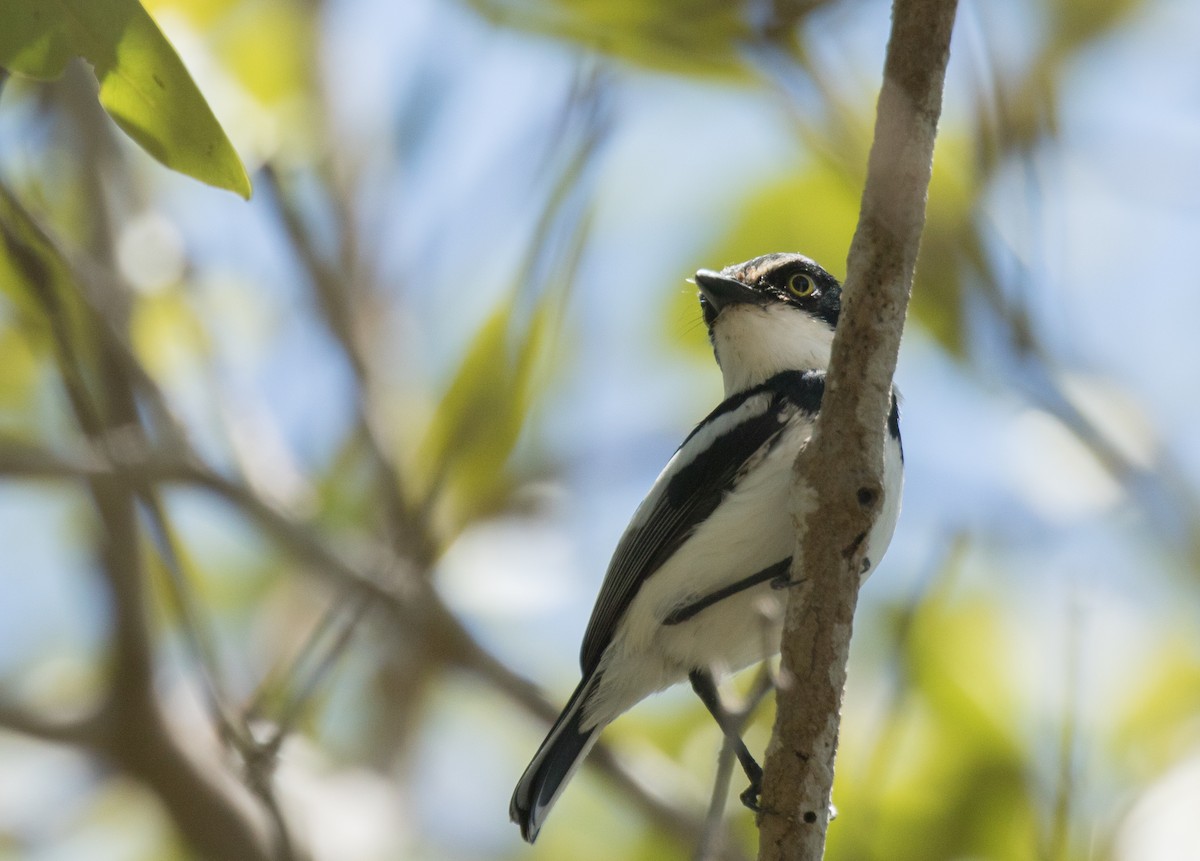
<point x="801" y="285"/>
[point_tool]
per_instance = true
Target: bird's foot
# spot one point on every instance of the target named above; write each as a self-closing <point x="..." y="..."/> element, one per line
<point x="784" y="581"/>
<point x="750" y="797"/>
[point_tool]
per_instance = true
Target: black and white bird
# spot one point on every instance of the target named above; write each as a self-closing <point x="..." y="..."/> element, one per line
<point x="688" y="591"/>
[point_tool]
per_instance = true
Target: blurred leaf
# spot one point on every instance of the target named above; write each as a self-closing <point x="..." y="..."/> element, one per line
<point x="271" y="70"/>
<point x="970" y="682"/>
<point x="35" y="277"/>
<point x="481" y="415"/>
<point x="39" y="282"/>
<point x="948" y="778"/>
<point x="948" y="238"/>
<point x="344" y="485"/>
<point x="1076" y="22"/>
<point x="1162" y="719"/>
<point x="689" y="37"/>
<point x="17" y="383"/>
<point x="166" y="332"/>
<point x="144" y="86"/>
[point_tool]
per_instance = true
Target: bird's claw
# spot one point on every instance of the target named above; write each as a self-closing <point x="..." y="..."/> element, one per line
<point x="784" y="581"/>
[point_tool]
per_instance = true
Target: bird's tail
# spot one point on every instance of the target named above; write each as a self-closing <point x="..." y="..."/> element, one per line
<point x="555" y="761"/>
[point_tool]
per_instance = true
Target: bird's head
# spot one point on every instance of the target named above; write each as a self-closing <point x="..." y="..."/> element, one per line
<point x="771" y="314"/>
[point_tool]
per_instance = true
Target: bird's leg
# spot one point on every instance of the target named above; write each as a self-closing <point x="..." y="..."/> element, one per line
<point x="706" y="688"/>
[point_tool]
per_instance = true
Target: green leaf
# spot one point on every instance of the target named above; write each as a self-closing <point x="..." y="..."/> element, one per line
<point x="38" y="283"/>
<point x="481" y="415"/>
<point x="1157" y="720"/>
<point x="949" y="242"/>
<point x="34" y="277"/>
<point x="689" y="37"/>
<point x="18" y="382"/>
<point x="144" y="86"/>
<point x="34" y="40"/>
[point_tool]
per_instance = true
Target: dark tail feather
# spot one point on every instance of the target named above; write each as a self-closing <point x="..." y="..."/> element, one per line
<point x="555" y="761"/>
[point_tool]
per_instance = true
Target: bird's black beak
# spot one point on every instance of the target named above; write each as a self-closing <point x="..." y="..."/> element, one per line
<point x="722" y="291"/>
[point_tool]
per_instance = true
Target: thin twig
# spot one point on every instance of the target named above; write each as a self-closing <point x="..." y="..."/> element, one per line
<point x="132" y="729"/>
<point x="299" y="694"/>
<point x="197" y="632"/>
<point x="713" y="839"/>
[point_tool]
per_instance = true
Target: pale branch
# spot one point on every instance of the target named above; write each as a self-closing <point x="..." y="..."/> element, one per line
<point x="130" y="728"/>
<point x="838" y="490"/>
<point x="81" y="731"/>
<point x="137" y="736"/>
<point x="409" y="532"/>
<point x="128" y="457"/>
<point x="192" y="619"/>
<point x="417" y="606"/>
<point x="317" y="659"/>
<point x="211" y="816"/>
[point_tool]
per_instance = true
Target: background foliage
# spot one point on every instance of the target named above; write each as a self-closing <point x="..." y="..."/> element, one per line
<point x="304" y="500"/>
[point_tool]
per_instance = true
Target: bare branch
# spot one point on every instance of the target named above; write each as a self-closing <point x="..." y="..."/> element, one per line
<point x="137" y="736"/>
<point x="130" y="728"/>
<point x="80" y="731"/>
<point x="843" y="463"/>
<point x="417" y="606"/>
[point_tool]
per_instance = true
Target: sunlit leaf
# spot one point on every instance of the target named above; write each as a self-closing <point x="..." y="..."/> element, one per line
<point x="34" y="39"/>
<point x="144" y="86"/>
<point x="275" y="69"/>
<point x="949" y="238"/>
<point x="481" y="415"/>
<point x="201" y="13"/>
<point x="693" y="37"/>
<point x="944" y="776"/>
<point x="166" y="332"/>
<point x="18" y="380"/>
<point x="1160" y="719"/>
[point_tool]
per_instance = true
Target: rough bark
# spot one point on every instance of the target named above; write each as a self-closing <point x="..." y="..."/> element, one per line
<point x="838" y="486"/>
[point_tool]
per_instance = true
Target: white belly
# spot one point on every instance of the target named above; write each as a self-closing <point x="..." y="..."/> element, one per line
<point x="749" y="531"/>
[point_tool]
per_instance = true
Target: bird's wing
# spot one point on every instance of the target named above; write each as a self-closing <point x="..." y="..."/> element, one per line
<point x="691" y="486"/>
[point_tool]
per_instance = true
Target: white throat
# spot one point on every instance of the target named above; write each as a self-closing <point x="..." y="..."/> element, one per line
<point x="755" y="343"/>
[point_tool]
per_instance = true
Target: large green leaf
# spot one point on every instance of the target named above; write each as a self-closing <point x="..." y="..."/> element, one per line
<point x="143" y="83"/>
